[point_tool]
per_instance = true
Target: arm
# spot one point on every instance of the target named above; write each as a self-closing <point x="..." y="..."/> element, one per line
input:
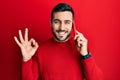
<point x="90" y="69"/>
<point x="28" y="49"/>
<point x="30" y="69"/>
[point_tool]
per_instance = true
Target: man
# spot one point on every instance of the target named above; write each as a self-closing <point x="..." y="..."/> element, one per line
<point x="61" y="57"/>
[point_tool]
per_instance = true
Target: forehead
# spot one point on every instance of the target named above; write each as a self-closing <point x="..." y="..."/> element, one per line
<point x="66" y="15"/>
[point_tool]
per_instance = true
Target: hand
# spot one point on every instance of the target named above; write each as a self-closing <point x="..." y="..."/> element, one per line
<point x="81" y="43"/>
<point x="28" y="48"/>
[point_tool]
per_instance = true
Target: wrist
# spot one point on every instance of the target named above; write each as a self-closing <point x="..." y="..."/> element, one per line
<point x="88" y="55"/>
<point x="25" y="59"/>
<point x="83" y="53"/>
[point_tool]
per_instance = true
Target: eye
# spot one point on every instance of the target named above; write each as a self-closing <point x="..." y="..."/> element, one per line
<point x="56" y="22"/>
<point x="67" y="22"/>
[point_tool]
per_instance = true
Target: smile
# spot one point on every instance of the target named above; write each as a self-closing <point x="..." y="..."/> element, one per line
<point x="61" y="33"/>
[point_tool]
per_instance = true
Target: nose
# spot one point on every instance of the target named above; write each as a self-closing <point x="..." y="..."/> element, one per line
<point x="62" y="26"/>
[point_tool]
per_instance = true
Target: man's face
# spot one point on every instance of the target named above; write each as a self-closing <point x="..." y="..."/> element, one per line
<point x="62" y="25"/>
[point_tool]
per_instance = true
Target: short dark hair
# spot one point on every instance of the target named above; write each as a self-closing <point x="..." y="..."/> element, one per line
<point x="61" y="7"/>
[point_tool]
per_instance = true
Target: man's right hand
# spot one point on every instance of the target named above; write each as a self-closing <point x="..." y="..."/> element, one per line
<point x="28" y="47"/>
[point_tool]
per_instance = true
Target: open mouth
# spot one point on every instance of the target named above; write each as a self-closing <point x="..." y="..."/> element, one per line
<point x="61" y="33"/>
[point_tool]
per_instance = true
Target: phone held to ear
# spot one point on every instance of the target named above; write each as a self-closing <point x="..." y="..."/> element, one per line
<point x="74" y="28"/>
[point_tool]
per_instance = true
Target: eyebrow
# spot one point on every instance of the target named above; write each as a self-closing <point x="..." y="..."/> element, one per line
<point x="56" y="20"/>
<point x="68" y="21"/>
<point x="64" y="20"/>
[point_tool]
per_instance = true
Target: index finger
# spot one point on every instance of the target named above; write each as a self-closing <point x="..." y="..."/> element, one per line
<point x="80" y="34"/>
<point x="16" y="40"/>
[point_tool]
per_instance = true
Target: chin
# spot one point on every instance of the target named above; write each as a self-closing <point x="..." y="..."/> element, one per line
<point x="62" y="39"/>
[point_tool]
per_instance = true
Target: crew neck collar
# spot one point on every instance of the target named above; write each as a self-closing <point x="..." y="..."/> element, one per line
<point x="66" y="43"/>
<point x="62" y="43"/>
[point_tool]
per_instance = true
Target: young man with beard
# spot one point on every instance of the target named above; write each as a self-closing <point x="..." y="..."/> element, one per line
<point x="61" y="57"/>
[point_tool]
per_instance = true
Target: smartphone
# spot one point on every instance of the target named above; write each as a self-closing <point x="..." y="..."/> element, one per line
<point x="74" y="28"/>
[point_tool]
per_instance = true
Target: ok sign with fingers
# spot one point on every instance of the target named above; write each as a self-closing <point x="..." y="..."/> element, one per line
<point x="28" y="47"/>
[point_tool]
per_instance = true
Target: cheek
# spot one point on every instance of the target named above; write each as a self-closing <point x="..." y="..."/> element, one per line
<point x="69" y="28"/>
<point x="55" y="27"/>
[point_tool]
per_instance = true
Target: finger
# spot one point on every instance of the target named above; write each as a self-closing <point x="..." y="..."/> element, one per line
<point x="80" y="43"/>
<point x="79" y="39"/>
<point x="76" y="36"/>
<point x="16" y="40"/>
<point x="21" y="37"/>
<point x="26" y="34"/>
<point x="77" y="32"/>
<point x="32" y="41"/>
<point x="36" y="45"/>
<point x="81" y="35"/>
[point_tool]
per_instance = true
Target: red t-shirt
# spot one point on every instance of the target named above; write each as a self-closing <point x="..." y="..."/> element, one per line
<point x="60" y="61"/>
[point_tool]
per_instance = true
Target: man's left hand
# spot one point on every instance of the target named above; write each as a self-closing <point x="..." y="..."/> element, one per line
<point x="81" y="43"/>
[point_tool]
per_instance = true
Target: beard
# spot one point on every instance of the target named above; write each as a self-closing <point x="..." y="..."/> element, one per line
<point x="60" y="38"/>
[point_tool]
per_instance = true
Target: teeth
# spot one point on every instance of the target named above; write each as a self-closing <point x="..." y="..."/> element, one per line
<point x="61" y="33"/>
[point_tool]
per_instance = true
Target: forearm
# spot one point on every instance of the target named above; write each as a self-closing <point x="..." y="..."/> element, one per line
<point x="29" y="70"/>
<point x="91" y="70"/>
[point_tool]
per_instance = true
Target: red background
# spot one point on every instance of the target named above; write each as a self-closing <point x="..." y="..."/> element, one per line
<point x="98" y="20"/>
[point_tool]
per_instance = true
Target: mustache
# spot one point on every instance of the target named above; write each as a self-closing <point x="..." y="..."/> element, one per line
<point x="61" y="31"/>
